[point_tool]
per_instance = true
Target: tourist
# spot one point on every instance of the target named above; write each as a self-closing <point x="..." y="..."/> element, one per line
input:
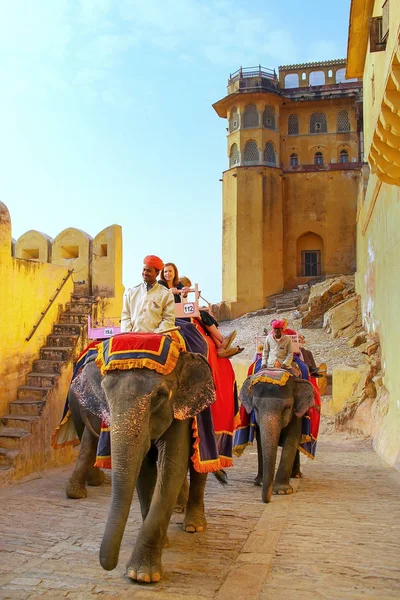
<point x="148" y="307"/>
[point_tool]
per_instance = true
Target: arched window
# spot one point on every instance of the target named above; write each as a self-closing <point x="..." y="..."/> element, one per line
<point x="304" y="76"/>
<point x="294" y="160"/>
<point x="318" y="158"/>
<point x="269" y="154"/>
<point x="343" y="121"/>
<point x="344" y="156"/>
<point x="250" y="118"/>
<point x="234" y="156"/>
<point x="293" y="125"/>
<point x="291" y="80"/>
<point x="317" y="78"/>
<point x="234" y="120"/>
<point x="251" y="155"/>
<point x="269" y="117"/>
<point x="340" y="76"/>
<point x="318" y="123"/>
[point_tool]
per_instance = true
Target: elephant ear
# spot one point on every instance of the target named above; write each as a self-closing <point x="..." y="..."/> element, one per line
<point x="194" y="389"/>
<point x="245" y="396"/>
<point x="87" y="387"/>
<point x="303" y="393"/>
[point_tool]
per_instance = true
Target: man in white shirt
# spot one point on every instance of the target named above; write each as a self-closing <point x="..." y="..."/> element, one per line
<point x="277" y="350"/>
<point x="148" y="307"/>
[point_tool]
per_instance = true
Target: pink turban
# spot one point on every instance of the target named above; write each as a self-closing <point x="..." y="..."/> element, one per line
<point x="278" y="324"/>
<point x="153" y="261"/>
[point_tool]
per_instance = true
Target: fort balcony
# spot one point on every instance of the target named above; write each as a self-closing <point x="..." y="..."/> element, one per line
<point x="253" y="79"/>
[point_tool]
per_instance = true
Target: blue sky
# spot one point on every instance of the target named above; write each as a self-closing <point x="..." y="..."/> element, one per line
<point x="106" y="114"/>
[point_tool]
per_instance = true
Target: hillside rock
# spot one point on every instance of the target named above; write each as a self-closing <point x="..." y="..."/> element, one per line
<point x="344" y="320"/>
<point x="323" y="296"/>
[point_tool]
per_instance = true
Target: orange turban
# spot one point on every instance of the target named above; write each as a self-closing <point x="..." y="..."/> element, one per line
<point x="153" y="261"/>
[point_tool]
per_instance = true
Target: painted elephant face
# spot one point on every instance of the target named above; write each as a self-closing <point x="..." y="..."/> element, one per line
<point x="296" y="393"/>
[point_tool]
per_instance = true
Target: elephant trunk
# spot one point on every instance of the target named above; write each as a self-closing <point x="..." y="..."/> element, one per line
<point x="270" y="431"/>
<point x="130" y="441"/>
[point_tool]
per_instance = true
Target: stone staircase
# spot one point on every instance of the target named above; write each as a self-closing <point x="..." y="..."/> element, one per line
<point x="287" y="300"/>
<point x="22" y="428"/>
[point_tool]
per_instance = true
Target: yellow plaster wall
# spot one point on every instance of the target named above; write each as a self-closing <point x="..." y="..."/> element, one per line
<point x="107" y="272"/>
<point x="26" y="287"/>
<point x="252" y="237"/>
<point x="72" y="248"/>
<point x="344" y="382"/>
<point x="378" y="232"/>
<point x="33" y="245"/>
<point x="330" y="143"/>
<point x="324" y="203"/>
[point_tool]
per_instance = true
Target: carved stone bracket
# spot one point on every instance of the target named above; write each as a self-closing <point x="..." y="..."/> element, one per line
<point x="384" y="155"/>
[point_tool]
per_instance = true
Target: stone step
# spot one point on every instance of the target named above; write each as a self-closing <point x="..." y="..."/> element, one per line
<point x="8" y="456"/>
<point x="67" y="329"/>
<point x="48" y="366"/>
<point x="81" y="298"/>
<point x="80" y="308"/>
<point x="62" y="341"/>
<point x="11" y="437"/>
<point x="55" y="353"/>
<point x="27" y="406"/>
<point x="42" y="379"/>
<point x="32" y="392"/>
<point x="20" y="421"/>
<point x="7" y="473"/>
<point x="77" y="318"/>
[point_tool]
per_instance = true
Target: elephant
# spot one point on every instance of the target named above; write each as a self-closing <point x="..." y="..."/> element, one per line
<point x="150" y="424"/>
<point x="278" y="411"/>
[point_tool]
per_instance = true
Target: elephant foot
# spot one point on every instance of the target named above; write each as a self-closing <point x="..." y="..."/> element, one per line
<point x="145" y="568"/>
<point x="296" y="475"/>
<point x="194" y="523"/>
<point x="75" y="490"/>
<point x="282" y="488"/>
<point x="95" y="477"/>
<point x="258" y="480"/>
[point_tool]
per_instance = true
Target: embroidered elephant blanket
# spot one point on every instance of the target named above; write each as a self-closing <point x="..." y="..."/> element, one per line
<point x="245" y="432"/>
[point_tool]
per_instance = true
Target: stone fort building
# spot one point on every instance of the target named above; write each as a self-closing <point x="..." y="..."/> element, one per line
<point x="295" y="148"/>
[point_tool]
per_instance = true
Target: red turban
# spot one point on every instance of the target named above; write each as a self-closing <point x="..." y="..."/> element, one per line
<point x="153" y="261"/>
<point x="278" y="324"/>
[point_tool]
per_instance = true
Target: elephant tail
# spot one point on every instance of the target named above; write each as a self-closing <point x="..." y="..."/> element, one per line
<point x="221" y="476"/>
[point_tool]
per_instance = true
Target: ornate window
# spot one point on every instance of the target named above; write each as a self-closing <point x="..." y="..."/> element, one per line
<point x="343" y="121"/>
<point x="294" y="160"/>
<point x="269" y="154"/>
<point x="251" y="118"/>
<point x="234" y="120"/>
<point x="234" y="156"/>
<point x="318" y="123"/>
<point x="251" y="155"/>
<point x="318" y="158"/>
<point x="317" y="78"/>
<point x="344" y="156"/>
<point x="291" y="80"/>
<point x="269" y="117"/>
<point x="293" y="124"/>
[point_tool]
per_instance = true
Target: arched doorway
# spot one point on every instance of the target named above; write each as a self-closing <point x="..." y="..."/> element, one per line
<point x="309" y="255"/>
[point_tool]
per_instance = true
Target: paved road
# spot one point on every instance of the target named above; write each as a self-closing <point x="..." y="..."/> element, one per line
<point x="337" y="537"/>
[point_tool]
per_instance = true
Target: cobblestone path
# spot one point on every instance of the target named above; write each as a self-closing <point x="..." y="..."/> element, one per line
<point x="337" y="537"/>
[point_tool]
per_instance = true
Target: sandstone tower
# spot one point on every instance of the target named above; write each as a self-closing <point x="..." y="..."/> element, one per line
<point x="290" y="192"/>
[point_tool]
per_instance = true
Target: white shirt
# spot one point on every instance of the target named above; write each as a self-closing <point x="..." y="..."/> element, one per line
<point x="148" y="311"/>
<point x="277" y="349"/>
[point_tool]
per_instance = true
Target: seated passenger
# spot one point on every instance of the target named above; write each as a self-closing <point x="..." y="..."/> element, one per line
<point x="277" y="351"/>
<point x="170" y="279"/>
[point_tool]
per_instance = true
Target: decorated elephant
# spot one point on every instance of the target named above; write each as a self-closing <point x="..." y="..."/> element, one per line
<point x="279" y="403"/>
<point x="150" y="423"/>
